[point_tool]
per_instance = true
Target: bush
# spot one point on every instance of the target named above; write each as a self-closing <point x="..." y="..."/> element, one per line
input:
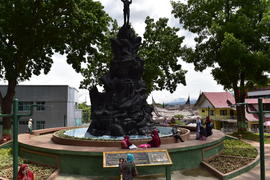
<point x="178" y="116"/>
<point x="181" y="123"/>
<point x="5" y="158"/>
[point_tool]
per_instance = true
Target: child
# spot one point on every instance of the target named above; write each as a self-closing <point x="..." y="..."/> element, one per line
<point x="121" y="162"/>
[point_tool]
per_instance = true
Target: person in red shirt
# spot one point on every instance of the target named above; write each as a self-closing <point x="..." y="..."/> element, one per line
<point x="125" y="143"/>
<point x="155" y="142"/>
<point x="24" y="173"/>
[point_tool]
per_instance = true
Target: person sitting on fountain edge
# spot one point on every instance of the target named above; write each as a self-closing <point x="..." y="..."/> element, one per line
<point x="125" y="143"/>
<point x="177" y="134"/>
<point x="155" y="142"/>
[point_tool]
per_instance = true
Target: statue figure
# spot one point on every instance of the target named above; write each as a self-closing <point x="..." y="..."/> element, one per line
<point x="121" y="109"/>
<point x="126" y="11"/>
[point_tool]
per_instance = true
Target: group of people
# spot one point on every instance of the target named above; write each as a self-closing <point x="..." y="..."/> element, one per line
<point x="155" y="141"/>
<point x="203" y="128"/>
<point x="127" y="168"/>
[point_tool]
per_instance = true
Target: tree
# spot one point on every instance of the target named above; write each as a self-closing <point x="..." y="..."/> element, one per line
<point x="160" y="50"/>
<point x="86" y="112"/>
<point x="98" y="63"/>
<point x="233" y="37"/>
<point x="32" y="31"/>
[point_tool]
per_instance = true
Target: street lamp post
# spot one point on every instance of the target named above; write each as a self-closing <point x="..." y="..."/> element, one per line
<point x="16" y="117"/>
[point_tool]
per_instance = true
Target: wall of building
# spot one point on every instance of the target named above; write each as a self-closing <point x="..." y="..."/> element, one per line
<point x="216" y="116"/>
<point x="55" y="103"/>
<point x="217" y="113"/>
<point x="74" y="116"/>
<point x="204" y="104"/>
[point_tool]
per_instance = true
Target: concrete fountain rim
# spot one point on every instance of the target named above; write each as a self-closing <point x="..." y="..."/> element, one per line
<point x="109" y="143"/>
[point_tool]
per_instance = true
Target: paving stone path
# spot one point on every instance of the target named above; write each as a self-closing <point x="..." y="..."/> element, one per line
<point x="254" y="174"/>
<point x="198" y="174"/>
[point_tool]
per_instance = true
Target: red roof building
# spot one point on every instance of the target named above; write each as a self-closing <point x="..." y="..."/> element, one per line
<point x="220" y="107"/>
<point x="217" y="99"/>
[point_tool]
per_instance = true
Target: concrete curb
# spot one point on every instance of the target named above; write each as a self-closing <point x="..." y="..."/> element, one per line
<point x="111" y="143"/>
<point x="7" y="144"/>
<point x="54" y="175"/>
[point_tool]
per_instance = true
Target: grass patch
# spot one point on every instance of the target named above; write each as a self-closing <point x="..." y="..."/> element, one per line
<point x="40" y="172"/>
<point x="253" y="136"/>
<point x="239" y="148"/>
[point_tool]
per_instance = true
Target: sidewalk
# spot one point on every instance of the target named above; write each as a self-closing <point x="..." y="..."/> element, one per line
<point x="255" y="172"/>
<point x="192" y="174"/>
<point x="195" y="174"/>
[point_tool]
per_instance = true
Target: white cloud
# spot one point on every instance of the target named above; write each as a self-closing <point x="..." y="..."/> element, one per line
<point x="61" y="73"/>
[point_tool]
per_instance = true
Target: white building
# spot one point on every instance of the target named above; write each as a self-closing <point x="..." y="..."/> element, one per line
<point x="57" y="105"/>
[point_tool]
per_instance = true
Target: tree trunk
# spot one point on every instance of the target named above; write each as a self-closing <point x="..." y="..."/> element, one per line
<point x="6" y="106"/>
<point x="239" y="93"/>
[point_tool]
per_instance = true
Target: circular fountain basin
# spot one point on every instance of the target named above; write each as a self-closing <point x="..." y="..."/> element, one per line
<point x="82" y="133"/>
<point x="81" y="137"/>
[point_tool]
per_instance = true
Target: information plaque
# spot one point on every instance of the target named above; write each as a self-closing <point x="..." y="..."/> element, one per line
<point x="142" y="157"/>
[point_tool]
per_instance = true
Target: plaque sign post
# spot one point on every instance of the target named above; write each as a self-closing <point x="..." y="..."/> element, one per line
<point x="157" y="157"/>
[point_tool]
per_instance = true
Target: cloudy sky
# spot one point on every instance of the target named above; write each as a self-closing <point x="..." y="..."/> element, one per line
<point x="62" y="74"/>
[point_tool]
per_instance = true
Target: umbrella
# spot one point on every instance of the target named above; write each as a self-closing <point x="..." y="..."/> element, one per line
<point x="266" y="123"/>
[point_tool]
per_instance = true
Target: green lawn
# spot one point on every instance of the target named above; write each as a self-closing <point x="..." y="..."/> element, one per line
<point x="253" y="136"/>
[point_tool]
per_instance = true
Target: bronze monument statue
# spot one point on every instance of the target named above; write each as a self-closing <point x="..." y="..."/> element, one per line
<point x="122" y="108"/>
<point x="126" y="11"/>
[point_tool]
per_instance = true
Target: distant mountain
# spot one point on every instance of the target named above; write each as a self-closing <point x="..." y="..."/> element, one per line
<point x="180" y="101"/>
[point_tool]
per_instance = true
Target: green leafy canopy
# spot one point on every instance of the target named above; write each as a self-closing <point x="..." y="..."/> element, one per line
<point x="32" y="31"/>
<point x="233" y="37"/>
